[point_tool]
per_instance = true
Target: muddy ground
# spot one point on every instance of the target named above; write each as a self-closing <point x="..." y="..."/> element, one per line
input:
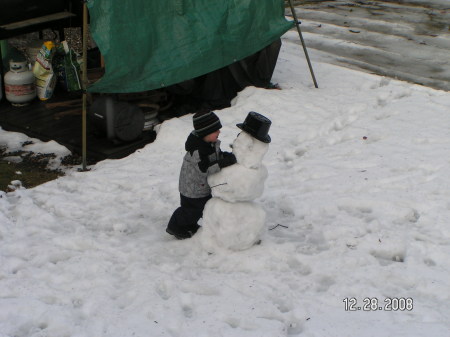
<point x="28" y="169"/>
<point x="24" y="169"/>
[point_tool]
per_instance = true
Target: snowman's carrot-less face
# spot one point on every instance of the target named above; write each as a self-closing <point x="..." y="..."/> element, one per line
<point x="248" y="150"/>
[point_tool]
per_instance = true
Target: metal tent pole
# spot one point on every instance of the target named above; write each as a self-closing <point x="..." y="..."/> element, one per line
<point x="297" y="24"/>
<point x="84" y="85"/>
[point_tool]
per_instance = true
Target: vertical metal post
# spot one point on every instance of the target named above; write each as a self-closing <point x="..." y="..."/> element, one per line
<point x="84" y="85"/>
<point x="297" y="24"/>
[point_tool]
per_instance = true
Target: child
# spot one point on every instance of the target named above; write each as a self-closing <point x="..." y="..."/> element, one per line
<point x="203" y="157"/>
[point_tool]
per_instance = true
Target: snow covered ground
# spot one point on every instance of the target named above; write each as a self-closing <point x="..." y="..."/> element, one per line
<point x="357" y="202"/>
<point x="408" y="40"/>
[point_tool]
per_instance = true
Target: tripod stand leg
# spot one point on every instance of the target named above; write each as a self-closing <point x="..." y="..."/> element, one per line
<point x="297" y="24"/>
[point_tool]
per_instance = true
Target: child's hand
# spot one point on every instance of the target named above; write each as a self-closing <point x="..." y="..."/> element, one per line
<point x="227" y="160"/>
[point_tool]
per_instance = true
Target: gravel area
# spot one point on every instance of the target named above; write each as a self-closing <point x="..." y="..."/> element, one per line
<point x="73" y="36"/>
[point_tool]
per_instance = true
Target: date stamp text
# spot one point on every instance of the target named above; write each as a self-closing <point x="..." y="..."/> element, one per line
<point x="374" y="304"/>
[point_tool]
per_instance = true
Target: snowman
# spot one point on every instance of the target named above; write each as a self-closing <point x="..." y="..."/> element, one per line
<point x="231" y="218"/>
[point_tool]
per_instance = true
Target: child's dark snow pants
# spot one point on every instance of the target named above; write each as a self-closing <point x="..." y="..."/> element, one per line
<point x="183" y="223"/>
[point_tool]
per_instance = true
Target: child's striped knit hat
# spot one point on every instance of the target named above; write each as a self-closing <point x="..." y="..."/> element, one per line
<point x="206" y="122"/>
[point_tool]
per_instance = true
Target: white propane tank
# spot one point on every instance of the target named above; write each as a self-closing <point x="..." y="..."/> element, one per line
<point x="20" y="88"/>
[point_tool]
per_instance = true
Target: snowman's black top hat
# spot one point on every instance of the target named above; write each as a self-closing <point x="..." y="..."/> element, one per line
<point x="257" y="126"/>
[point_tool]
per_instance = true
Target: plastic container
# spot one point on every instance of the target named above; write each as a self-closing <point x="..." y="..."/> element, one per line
<point x="20" y="88"/>
<point x="33" y="49"/>
<point x="6" y="51"/>
<point x="43" y="71"/>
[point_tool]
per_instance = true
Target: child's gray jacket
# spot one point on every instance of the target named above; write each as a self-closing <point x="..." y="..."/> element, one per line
<point x="201" y="160"/>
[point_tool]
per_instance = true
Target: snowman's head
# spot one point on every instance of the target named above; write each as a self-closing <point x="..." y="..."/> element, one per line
<point x="249" y="151"/>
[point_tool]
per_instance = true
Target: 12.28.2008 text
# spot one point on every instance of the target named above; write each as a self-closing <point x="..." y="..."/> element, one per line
<point x="373" y="304"/>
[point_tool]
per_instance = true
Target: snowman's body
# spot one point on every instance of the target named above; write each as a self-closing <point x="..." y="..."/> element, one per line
<point x="231" y="219"/>
<point x="238" y="183"/>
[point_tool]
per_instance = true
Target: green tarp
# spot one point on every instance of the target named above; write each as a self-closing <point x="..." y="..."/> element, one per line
<point x="149" y="44"/>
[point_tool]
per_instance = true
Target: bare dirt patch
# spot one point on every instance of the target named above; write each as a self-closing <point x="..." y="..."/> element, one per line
<point x="28" y="169"/>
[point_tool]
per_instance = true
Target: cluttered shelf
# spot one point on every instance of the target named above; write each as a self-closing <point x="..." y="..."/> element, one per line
<point x="59" y="118"/>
